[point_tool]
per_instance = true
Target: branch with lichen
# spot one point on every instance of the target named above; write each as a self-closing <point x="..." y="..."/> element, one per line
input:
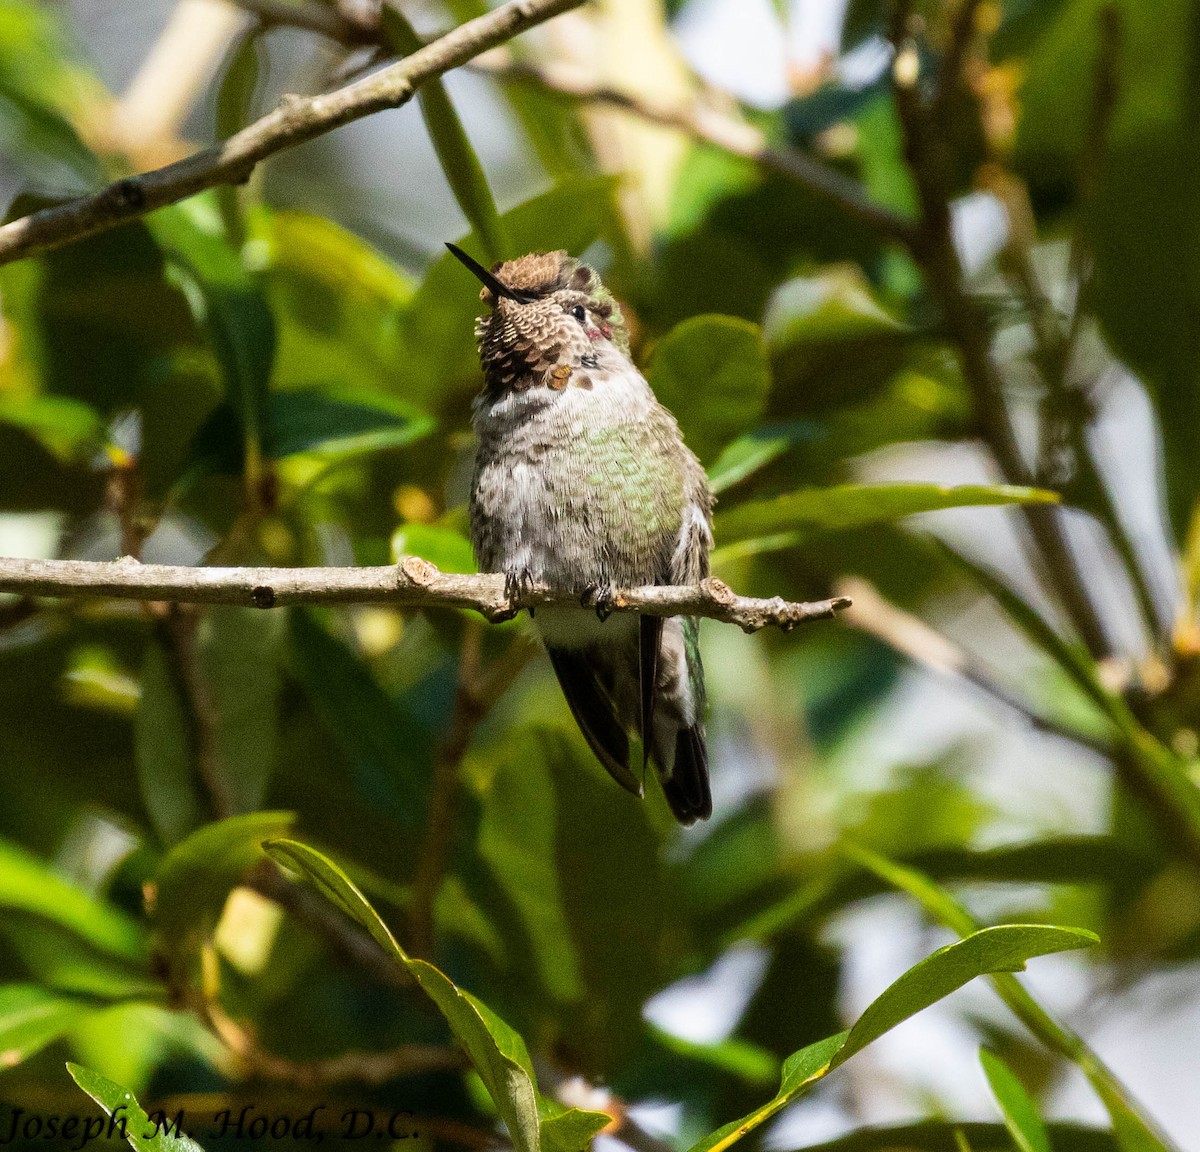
<point x="412" y="583"/>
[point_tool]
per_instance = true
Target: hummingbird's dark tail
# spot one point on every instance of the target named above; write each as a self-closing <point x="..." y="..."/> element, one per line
<point x="686" y="789"/>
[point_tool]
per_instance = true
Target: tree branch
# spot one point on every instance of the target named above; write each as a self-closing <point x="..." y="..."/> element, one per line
<point x="927" y="154"/>
<point x="708" y="125"/>
<point x="413" y="583"/>
<point x="699" y="120"/>
<point x="296" y="120"/>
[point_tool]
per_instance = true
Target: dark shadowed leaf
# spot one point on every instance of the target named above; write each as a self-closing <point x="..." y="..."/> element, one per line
<point x="338" y="423"/>
<point x="391" y="754"/>
<point x="162" y="746"/>
<point x="196" y="876"/>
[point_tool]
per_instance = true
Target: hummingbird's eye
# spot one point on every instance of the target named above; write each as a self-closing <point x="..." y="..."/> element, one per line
<point x="579" y="313"/>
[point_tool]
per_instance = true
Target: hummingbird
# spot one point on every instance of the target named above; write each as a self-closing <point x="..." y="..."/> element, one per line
<point x="583" y="483"/>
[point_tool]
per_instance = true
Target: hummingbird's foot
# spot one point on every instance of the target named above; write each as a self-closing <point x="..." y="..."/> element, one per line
<point x="600" y="597"/>
<point x="518" y="583"/>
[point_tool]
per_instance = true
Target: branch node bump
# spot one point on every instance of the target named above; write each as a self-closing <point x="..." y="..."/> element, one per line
<point x="263" y="596"/>
<point x="128" y="194"/>
<point x="419" y="571"/>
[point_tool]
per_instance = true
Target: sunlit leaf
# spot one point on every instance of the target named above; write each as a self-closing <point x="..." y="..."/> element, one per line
<point x="449" y="550"/>
<point x="1021" y="1116"/>
<point x="1005" y="948"/>
<point x="785" y="521"/>
<point x="32" y="1017"/>
<point x="747" y="454"/>
<point x="28" y="885"/>
<point x="143" y="1134"/>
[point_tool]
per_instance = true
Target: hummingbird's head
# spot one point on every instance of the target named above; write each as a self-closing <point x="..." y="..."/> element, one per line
<point x="548" y="311"/>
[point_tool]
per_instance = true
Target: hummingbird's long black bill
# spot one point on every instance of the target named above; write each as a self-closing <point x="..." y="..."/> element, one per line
<point x="489" y="279"/>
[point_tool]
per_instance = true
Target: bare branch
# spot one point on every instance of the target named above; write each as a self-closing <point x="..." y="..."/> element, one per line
<point x="296" y="120"/>
<point x="709" y="125"/>
<point x="313" y="17"/>
<point x="913" y="638"/>
<point x="413" y="583"/>
<point x="700" y="120"/>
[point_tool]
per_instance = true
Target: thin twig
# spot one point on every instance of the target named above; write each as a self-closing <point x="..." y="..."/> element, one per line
<point x="924" y="646"/>
<point x="178" y="627"/>
<point x="709" y="125"/>
<point x="312" y="910"/>
<point x="328" y="22"/>
<point x="296" y="120"/>
<point x="413" y="583"/>
<point x="435" y="850"/>
<point x="962" y="32"/>
<point x="701" y="121"/>
<point x="926" y="151"/>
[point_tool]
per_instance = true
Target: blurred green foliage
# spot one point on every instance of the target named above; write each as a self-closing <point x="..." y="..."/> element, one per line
<point x="237" y="380"/>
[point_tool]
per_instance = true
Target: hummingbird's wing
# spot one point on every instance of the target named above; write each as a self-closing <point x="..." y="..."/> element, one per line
<point x="684" y="775"/>
<point x="595" y="714"/>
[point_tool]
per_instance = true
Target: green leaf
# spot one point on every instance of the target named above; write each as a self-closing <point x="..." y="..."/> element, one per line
<point x="568" y="1129"/>
<point x="337" y="423"/>
<point x="747" y="454"/>
<point x="464" y="172"/>
<point x="1005" y="948"/>
<point x="389" y="752"/>
<point x="449" y="550"/>
<point x="41" y="92"/>
<point x="28" y="885"/>
<point x="228" y="301"/>
<point x="195" y="878"/>
<point x="162" y="749"/>
<point x="238" y="650"/>
<point x="800" y="1071"/>
<point x="32" y="1017"/>
<point x="1141" y="218"/>
<point x="939" y="1136"/>
<point x="785" y="521"/>
<point x="749" y="1062"/>
<point x="1020" y="1113"/>
<point x="496" y="1051"/>
<point x="69" y="428"/>
<point x="1135" y="1133"/>
<point x="712" y="373"/>
<point x="143" y="1134"/>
